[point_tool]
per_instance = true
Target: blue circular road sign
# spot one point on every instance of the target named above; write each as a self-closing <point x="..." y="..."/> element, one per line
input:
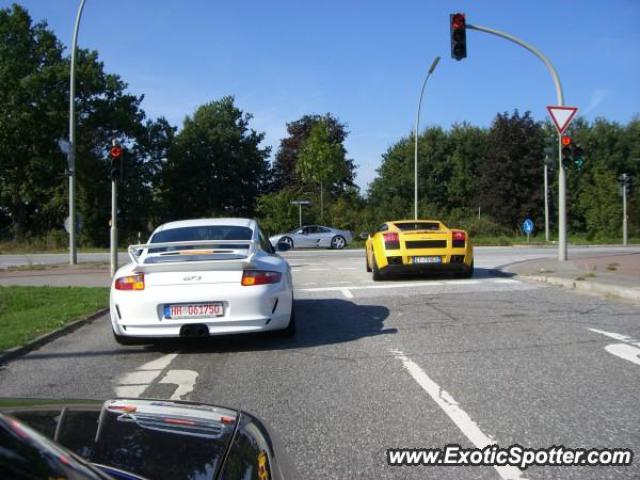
<point x="527" y="226"/>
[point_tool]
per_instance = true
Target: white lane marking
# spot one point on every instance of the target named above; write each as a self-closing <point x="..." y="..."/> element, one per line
<point x="627" y="351"/>
<point x="406" y="285"/>
<point x="624" y="351"/>
<point x="505" y="280"/>
<point x="184" y="379"/>
<point x="452" y="408"/>
<point x="346" y="293"/>
<point x="318" y="269"/>
<point x="159" y="363"/>
<point x="133" y="384"/>
<point x="130" y="391"/>
<point x="346" y="268"/>
<point x="616" y="336"/>
<point x="139" y="377"/>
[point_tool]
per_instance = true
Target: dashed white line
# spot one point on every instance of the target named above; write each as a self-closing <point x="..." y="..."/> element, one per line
<point x="184" y="379"/>
<point x="346" y="268"/>
<point x="453" y="410"/>
<point x="615" y="336"/>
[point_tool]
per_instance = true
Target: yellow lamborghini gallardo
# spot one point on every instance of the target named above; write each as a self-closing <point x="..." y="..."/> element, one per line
<point x="419" y="246"/>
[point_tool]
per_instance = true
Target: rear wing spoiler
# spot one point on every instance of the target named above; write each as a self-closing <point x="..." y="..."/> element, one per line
<point x="216" y="255"/>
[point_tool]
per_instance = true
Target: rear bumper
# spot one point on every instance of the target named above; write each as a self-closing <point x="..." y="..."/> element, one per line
<point x="426" y="268"/>
<point x="246" y="309"/>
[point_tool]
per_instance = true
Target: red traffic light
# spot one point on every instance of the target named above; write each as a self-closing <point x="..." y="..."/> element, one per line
<point x="566" y="140"/>
<point x="458" y="21"/>
<point x="116" y="151"/>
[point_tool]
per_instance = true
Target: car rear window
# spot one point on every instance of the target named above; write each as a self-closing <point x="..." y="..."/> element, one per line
<point x="418" y="226"/>
<point x="204" y="232"/>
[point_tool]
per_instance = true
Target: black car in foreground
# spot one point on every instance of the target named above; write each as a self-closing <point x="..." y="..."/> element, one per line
<point x="133" y="439"/>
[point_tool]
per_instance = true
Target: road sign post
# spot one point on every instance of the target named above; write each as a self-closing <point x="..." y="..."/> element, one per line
<point x="562" y="117"/>
<point x="300" y="203"/>
<point x="527" y="228"/>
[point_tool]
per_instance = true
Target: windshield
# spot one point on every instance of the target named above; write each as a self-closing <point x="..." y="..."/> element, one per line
<point x="208" y="232"/>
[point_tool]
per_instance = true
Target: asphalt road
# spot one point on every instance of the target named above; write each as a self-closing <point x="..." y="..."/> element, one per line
<point x="406" y="363"/>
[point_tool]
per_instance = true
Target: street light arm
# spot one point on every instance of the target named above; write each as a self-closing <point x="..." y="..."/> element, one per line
<point x="433" y="66"/>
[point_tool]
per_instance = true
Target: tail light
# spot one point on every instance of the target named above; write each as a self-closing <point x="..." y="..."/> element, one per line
<point x="131" y="282"/>
<point x="391" y="240"/>
<point x="458" y="239"/>
<point x="259" y="277"/>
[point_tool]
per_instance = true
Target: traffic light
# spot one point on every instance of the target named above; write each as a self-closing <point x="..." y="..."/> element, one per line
<point x="625" y="182"/>
<point x="115" y="153"/>
<point x="578" y="157"/>
<point x="458" y="26"/>
<point x="567" y="152"/>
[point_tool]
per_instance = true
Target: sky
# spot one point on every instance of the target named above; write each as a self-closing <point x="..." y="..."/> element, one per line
<point x="363" y="61"/>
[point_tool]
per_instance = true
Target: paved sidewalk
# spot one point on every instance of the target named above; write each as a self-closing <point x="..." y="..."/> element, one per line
<point x="616" y="275"/>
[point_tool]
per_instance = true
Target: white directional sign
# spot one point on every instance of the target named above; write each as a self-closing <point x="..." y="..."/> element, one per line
<point x="562" y="116"/>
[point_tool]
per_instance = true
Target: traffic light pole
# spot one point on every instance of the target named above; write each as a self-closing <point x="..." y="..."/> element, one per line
<point x="624" y="209"/>
<point x="114" y="217"/>
<point x="546" y="200"/>
<point x="114" y="227"/>
<point x="562" y="194"/>
<point x="73" y="254"/>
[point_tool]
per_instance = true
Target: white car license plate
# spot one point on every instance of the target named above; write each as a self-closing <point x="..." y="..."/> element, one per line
<point x="427" y="260"/>
<point x="193" y="310"/>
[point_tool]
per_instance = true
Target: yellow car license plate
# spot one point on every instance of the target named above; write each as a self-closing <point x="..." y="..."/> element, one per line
<point x="427" y="260"/>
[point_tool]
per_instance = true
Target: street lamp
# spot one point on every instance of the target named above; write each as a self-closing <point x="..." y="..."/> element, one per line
<point x="415" y="160"/>
<point x="300" y="203"/>
<point x="73" y="256"/>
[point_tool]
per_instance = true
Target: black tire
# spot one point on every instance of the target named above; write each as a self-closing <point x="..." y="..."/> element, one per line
<point x="377" y="274"/>
<point x="338" y="242"/>
<point x="123" y="340"/>
<point x="290" y="331"/>
<point x="288" y="240"/>
<point x="366" y="260"/>
<point x="468" y="273"/>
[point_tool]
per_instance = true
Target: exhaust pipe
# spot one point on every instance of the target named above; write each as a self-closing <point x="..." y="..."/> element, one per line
<point x="197" y="330"/>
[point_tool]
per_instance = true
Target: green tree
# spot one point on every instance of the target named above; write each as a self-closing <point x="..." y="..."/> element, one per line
<point x="321" y="160"/>
<point x="216" y="166"/>
<point x="34" y="95"/>
<point x="510" y="175"/>
<point x="285" y="172"/>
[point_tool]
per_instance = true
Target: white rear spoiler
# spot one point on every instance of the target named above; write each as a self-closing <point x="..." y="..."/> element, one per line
<point x="239" y="254"/>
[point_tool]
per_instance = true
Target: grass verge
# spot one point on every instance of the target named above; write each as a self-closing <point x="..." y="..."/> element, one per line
<point x="28" y="312"/>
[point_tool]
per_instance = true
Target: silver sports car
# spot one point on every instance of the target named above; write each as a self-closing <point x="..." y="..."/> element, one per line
<point x="314" y="236"/>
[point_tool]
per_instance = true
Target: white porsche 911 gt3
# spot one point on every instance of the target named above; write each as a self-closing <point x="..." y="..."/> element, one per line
<point x="202" y="277"/>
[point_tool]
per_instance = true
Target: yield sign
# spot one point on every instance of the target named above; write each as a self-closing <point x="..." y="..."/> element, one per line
<point x="562" y="116"/>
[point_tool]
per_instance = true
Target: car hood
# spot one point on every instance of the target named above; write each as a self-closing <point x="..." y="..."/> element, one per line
<point x="151" y="438"/>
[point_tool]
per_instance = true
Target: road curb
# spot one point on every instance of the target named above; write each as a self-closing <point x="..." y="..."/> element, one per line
<point x="11" y="354"/>
<point x="594" y="288"/>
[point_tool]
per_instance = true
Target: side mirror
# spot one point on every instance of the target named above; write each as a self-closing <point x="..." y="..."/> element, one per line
<point x="283" y="247"/>
<point x="364" y="235"/>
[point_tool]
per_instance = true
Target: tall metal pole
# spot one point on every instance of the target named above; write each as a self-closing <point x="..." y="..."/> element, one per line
<point x="300" y="214"/>
<point x="562" y="195"/>
<point x="114" y="226"/>
<point x="415" y="133"/>
<point x="546" y="199"/>
<point x="624" y="209"/>
<point x="73" y="255"/>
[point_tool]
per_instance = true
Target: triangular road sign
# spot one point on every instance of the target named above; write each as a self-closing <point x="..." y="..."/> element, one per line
<point x="562" y="116"/>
